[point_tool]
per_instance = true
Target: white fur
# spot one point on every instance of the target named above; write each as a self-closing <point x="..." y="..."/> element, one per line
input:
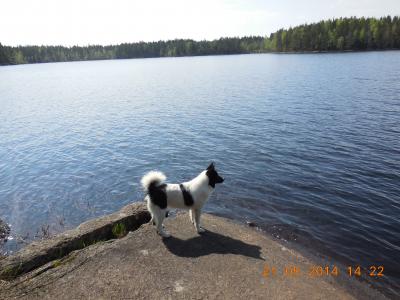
<point x="198" y="188"/>
<point x="152" y="176"/>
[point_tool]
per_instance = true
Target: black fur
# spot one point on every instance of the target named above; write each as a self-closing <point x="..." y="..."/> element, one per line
<point x="187" y="197"/>
<point x="213" y="177"/>
<point x="157" y="194"/>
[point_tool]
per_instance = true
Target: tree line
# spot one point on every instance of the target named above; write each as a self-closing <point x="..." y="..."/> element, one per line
<point x="343" y="34"/>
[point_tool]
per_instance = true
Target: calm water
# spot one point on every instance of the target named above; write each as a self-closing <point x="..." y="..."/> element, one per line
<point x="309" y="144"/>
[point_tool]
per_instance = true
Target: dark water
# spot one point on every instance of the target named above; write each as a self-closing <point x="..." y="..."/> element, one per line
<point x="309" y="144"/>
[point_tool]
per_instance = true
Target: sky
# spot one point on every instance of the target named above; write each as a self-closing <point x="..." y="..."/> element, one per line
<point x="104" y="22"/>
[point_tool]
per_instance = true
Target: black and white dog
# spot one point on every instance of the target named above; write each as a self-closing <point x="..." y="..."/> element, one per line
<point x="191" y="195"/>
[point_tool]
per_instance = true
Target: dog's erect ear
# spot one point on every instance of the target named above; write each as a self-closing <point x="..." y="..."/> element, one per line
<point x="211" y="166"/>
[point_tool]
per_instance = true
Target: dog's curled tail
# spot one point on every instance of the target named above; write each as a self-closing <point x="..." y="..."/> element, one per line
<point x="151" y="179"/>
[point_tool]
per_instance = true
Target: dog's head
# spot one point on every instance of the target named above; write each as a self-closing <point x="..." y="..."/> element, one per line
<point x="213" y="177"/>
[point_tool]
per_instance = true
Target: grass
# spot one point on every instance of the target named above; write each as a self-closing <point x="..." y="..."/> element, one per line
<point x="119" y="230"/>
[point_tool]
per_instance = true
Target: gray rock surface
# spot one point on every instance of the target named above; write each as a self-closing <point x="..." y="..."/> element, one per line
<point x="226" y="262"/>
<point x="41" y="252"/>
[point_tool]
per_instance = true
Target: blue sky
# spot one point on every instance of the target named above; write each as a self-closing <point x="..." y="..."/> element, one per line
<point x="83" y="22"/>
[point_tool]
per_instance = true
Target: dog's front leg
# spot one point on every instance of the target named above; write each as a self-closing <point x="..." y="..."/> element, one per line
<point x="197" y="213"/>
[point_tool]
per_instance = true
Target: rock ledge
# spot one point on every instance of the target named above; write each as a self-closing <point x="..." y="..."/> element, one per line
<point x="41" y="252"/>
<point x="228" y="261"/>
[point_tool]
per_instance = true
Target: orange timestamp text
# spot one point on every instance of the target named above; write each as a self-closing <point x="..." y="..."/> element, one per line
<point x="316" y="271"/>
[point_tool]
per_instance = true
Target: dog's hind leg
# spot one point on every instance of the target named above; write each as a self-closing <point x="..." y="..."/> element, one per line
<point x="159" y="215"/>
<point x="191" y="215"/>
<point x="150" y="209"/>
<point x="197" y="213"/>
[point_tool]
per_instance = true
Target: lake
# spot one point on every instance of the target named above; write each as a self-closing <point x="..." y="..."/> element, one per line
<point x="309" y="145"/>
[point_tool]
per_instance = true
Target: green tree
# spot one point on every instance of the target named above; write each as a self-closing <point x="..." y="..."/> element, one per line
<point x="332" y="35"/>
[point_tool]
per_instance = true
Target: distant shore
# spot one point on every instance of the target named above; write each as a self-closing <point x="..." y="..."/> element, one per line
<point x="332" y="35"/>
<point x="205" y="55"/>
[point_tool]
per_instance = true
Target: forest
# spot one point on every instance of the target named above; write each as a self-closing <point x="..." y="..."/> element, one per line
<point x="342" y="34"/>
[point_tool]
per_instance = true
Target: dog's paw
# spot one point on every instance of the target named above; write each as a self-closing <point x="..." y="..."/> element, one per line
<point x="201" y="230"/>
<point x="154" y="224"/>
<point x="164" y="234"/>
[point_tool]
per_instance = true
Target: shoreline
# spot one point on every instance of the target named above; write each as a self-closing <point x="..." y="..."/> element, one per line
<point x="206" y="55"/>
<point x="4" y="231"/>
<point x="322" y="256"/>
<point x="45" y="259"/>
